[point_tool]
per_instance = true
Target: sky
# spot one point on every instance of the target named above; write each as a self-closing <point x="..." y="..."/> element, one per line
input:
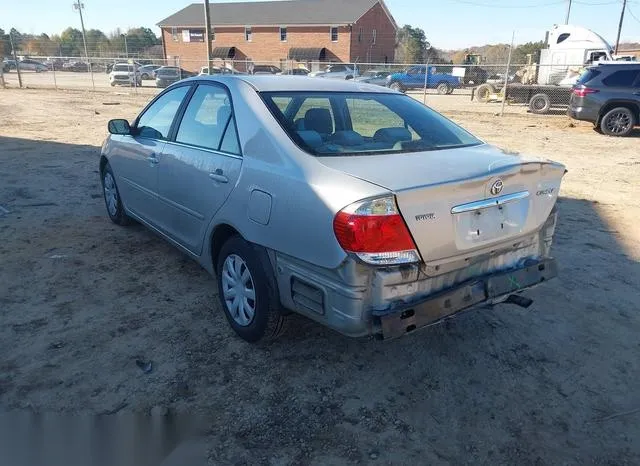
<point x="448" y="24"/>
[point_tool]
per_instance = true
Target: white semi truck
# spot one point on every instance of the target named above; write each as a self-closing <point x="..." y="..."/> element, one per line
<point x="547" y="83"/>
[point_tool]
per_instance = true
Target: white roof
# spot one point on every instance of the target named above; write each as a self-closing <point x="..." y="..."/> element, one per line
<point x="266" y="83"/>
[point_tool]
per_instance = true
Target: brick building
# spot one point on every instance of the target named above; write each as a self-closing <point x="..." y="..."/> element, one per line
<point x="279" y="32"/>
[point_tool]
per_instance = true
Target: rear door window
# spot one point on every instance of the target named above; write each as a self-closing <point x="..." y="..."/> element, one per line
<point x="621" y="78"/>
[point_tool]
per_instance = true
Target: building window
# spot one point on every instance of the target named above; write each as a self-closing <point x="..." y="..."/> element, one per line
<point x="174" y="34"/>
<point x="247" y="34"/>
<point x="212" y="34"/>
<point x="334" y="34"/>
<point x="375" y="35"/>
<point x="360" y="35"/>
<point x="283" y="34"/>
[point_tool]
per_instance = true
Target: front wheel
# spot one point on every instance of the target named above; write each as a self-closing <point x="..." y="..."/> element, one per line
<point x="248" y="292"/>
<point x="618" y="122"/>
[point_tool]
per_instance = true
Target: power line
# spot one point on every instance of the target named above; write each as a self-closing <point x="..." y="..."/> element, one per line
<point x="488" y="5"/>
<point x="632" y="15"/>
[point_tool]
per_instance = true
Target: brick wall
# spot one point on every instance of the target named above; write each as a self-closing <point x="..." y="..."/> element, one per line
<point x="362" y="47"/>
<point x="265" y="45"/>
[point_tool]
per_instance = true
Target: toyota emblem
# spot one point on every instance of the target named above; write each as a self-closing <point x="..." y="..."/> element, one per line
<point x="496" y="187"/>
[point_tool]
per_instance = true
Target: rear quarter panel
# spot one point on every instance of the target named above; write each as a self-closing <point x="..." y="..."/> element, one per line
<point x="305" y="195"/>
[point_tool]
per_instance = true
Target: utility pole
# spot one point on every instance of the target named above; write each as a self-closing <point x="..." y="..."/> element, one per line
<point x="624" y="7"/>
<point x="566" y="21"/>
<point x="15" y="59"/>
<point x="79" y="6"/>
<point x="126" y="47"/>
<point x="207" y="33"/>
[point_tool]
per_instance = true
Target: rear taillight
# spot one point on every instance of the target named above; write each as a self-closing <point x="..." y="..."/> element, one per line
<point x="583" y="91"/>
<point x="375" y="231"/>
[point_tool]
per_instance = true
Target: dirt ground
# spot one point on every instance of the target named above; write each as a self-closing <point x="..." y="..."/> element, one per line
<point x="82" y="299"/>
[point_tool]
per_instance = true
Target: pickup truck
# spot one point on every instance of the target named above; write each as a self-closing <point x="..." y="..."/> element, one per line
<point x="414" y="78"/>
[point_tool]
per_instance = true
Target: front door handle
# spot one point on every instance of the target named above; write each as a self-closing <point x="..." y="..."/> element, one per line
<point x="636" y="93"/>
<point x="152" y="159"/>
<point x="218" y="176"/>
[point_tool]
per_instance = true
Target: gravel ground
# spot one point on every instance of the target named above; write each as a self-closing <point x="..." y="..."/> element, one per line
<point x="82" y="299"/>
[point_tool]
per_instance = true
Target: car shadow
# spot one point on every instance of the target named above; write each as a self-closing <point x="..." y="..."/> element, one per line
<point x="85" y="299"/>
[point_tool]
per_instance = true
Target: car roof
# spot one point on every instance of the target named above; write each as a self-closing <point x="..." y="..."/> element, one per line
<point x="266" y="83"/>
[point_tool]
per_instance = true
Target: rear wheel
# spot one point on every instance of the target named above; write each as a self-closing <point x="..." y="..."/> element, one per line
<point x="396" y="86"/>
<point x="618" y="122"/>
<point x="247" y="291"/>
<point x="483" y="92"/>
<point x="444" y="88"/>
<point x="112" y="197"/>
<point x="540" y="104"/>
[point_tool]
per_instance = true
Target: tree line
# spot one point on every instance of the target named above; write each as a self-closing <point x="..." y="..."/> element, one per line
<point x="69" y="42"/>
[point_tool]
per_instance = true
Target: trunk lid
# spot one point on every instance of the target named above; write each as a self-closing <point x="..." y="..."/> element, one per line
<point x="462" y="202"/>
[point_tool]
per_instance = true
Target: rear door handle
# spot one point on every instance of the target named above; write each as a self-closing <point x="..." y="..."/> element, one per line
<point x="636" y="93"/>
<point x="218" y="176"/>
<point x="152" y="159"/>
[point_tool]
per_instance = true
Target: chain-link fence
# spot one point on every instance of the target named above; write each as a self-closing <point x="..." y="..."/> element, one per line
<point x="493" y="88"/>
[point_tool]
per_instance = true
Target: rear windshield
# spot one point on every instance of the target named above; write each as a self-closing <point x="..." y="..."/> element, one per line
<point x="587" y="76"/>
<point x="333" y="124"/>
<point x="167" y="71"/>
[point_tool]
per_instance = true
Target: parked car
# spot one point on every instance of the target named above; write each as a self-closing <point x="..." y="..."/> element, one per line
<point x="8" y="64"/>
<point x="296" y="72"/>
<point x="167" y="75"/>
<point x="352" y="204"/>
<point x="265" y="69"/>
<point x="414" y="78"/>
<point x="125" y="74"/>
<point x="378" y="77"/>
<point x="32" y="65"/>
<point x="608" y="95"/>
<point x="54" y="64"/>
<point x="218" y="70"/>
<point x="337" y="71"/>
<point x="148" y="71"/>
<point x="77" y="66"/>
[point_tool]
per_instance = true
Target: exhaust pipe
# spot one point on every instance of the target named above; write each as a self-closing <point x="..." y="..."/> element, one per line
<point x="519" y="301"/>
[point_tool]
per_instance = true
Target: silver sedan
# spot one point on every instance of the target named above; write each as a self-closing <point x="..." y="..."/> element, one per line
<point x="349" y="203"/>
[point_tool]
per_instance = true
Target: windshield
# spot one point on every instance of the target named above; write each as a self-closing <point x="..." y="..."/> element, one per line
<point x="331" y="123"/>
<point x="122" y="68"/>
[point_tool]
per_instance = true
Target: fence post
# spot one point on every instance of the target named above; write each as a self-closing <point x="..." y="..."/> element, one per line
<point x="53" y="69"/>
<point x="426" y="76"/>
<point x="15" y="59"/>
<point x="506" y="75"/>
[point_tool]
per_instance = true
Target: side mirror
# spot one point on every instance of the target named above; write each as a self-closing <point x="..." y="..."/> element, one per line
<point x="119" y="126"/>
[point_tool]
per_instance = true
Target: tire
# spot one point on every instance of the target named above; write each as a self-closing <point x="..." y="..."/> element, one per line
<point x="113" y="84"/>
<point x="443" y="88"/>
<point x="396" y="86"/>
<point x="618" y="121"/>
<point x="255" y="320"/>
<point x="451" y="90"/>
<point x="111" y="195"/>
<point x="540" y="104"/>
<point x="484" y="91"/>
<point x="144" y="76"/>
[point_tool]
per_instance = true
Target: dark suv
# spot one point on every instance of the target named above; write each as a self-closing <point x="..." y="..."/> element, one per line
<point x="609" y="96"/>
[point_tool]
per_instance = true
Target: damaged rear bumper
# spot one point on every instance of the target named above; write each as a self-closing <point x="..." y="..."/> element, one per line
<point x="405" y="318"/>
